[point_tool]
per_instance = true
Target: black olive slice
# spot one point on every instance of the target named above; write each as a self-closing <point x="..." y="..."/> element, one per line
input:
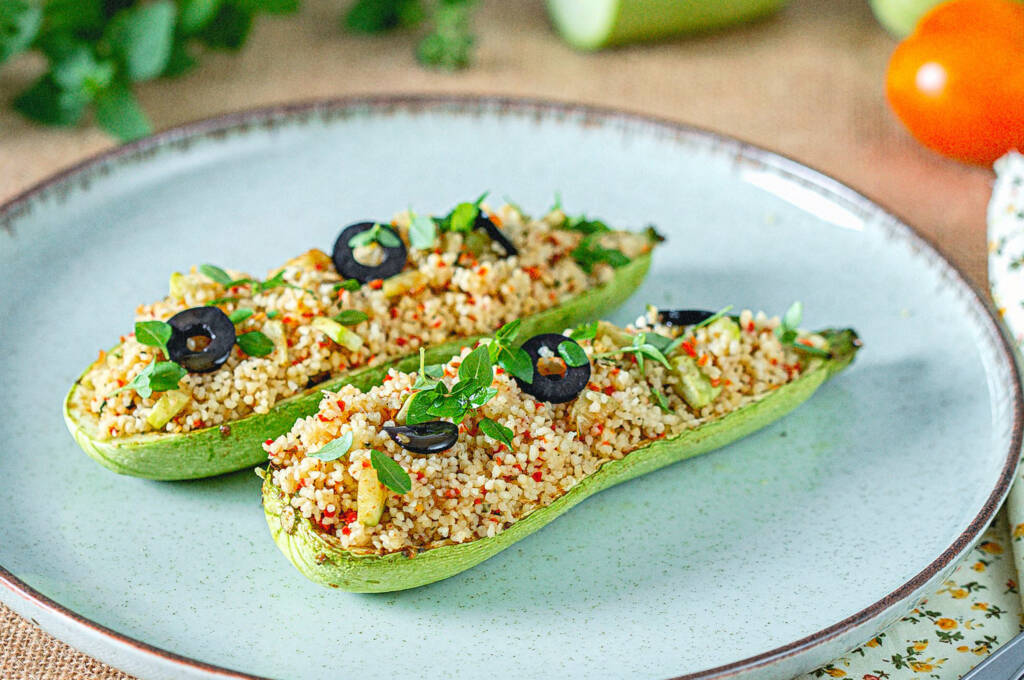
<point x="684" y="317"/>
<point x="201" y="322"/>
<point x="551" y="383"/>
<point x="484" y="222"/>
<point x="350" y="268"/>
<point x="433" y="437"/>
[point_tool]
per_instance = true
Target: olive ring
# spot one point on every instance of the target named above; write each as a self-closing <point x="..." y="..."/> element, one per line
<point x="683" y="317"/>
<point x="487" y="224"/>
<point x="555" y="387"/>
<point x="432" y="437"/>
<point x="207" y="322"/>
<point x="350" y="268"/>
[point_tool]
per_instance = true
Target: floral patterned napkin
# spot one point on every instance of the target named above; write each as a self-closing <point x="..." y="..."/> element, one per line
<point x="979" y="607"/>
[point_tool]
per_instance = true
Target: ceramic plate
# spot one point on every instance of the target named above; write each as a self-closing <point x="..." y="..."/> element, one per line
<point x="763" y="559"/>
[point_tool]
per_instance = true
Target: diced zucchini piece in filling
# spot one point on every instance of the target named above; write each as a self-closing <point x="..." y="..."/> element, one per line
<point x="370" y="497"/>
<point x="693" y="387"/>
<point x="167" y="406"/>
<point x="338" y="333"/>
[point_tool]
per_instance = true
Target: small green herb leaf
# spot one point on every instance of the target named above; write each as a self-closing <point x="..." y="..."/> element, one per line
<point x="240" y="315"/>
<point x="142" y="36"/>
<point x="422" y="232"/>
<point x="379" y="233"/>
<point x="518" y="363"/>
<point x="347" y="284"/>
<point x="715" y="317"/>
<point x="118" y="112"/>
<point x="273" y="314"/>
<point x="497" y="431"/>
<point x="660" y="400"/>
<point x="590" y="252"/>
<point x="582" y="224"/>
<point x="158" y="376"/>
<point x="377" y="16"/>
<point x="334" y="449"/>
<point x="507" y="333"/>
<point x="463" y="217"/>
<point x="215" y="273"/>
<point x="476" y="367"/>
<point x="19" y="23"/>
<point x="572" y="353"/>
<point x="255" y="344"/>
<point x="391" y="474"/>
<point x="587" y="331"/>
<point x="350" y="317"/>
<point x="154" y="334"/>
<point x="388" y="239"/>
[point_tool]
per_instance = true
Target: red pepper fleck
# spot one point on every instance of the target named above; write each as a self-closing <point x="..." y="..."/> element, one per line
<point x="436" y="324"/>
<point x="805" y="342"/>
<point x="715" y="382"/>
<point x="341" y="405"/>
<point x="269" y="442"/>
<point x="420" y="476"/>
<point x="322" y="418"/>
<point x="538" y="476"/>
<point x="366" y="463"/>
<point x="377" y="284"/>
<point x="394" y="312"/>
<point x="499" y="370"/>
<point x="452" y="493"/>
<point x="351" y="516"/>
<point x="703" y="359"/>
<point x="497" y="459"/>
<point x="609" y="390"/>
<point x="478" y="501"/>
<point x="518" y="467"/>
<point x="688" y="348"/>
<point x="534" y="272"/>
<point x="751" y="327"/>
<point x="401" y="342"/>
<point x="388" y="377"/>
<point x="346" y="531"/>
<point x="592" y="387"/>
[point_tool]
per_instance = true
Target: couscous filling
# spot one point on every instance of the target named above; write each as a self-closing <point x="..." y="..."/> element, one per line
<point x="347" y="472"/>
<point x="306" y="322"/>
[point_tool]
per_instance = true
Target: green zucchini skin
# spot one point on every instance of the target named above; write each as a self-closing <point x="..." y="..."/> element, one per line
<point x="324" y="561"/>
<point x="207" y="452"/>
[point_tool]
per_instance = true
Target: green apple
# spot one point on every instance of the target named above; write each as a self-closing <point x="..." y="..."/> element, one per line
<point x="592" y="24"/>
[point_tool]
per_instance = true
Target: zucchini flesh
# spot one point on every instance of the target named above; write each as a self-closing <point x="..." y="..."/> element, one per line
<point x="321" y="558"/>
<point x="217" y="450"/>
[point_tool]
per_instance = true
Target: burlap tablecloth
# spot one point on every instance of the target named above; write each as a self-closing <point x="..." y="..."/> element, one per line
<point x="808" y="83"/>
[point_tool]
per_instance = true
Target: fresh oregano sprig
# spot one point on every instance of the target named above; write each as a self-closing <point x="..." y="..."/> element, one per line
<point x="334" y="449"/>
<point x="515" y="360"/>
<point x="377" y="233"/>
<point x="449" y="43"/>
<point x="640" y="348"/>
<point x="154" y="334"/>
<point x="391" y="474"/>
<point x="158" y="376"/>
<point x="788" y="331"/>
<point x="97" y="51"/>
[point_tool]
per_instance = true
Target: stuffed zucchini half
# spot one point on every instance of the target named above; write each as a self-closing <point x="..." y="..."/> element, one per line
<point x="431" y="472"/>
<point x="228" y="361"/>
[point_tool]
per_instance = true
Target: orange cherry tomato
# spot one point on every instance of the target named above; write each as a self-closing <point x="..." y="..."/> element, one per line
<point x="957" y="82"/>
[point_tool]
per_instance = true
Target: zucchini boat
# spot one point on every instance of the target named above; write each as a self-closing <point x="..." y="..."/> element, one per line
<point x="428" y="473"/>
<point x="227" y="361"/>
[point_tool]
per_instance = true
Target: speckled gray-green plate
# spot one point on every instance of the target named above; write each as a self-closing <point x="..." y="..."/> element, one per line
<point x="763" y="559"/>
